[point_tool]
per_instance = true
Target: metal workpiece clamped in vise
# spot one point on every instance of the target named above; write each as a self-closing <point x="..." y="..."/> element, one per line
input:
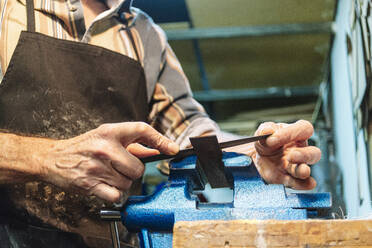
<point x="154" y="216"/>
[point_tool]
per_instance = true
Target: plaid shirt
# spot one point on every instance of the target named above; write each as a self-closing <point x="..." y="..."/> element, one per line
<point x="174" y="112"/>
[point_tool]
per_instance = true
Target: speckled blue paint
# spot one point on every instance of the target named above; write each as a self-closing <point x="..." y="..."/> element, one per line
<point x="155" y="215"/>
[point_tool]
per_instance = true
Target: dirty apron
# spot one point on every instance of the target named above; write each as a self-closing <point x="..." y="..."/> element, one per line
<point x="59" y="89"/>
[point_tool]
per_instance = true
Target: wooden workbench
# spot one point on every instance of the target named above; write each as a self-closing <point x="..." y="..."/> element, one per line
<point x="272" y="233"/>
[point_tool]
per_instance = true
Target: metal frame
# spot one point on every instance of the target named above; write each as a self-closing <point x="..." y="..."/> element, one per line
<point x="348" y="142"/>
<point x="250" y="31"/>
<point x="208" y="95"/>
<point x="264" y="93"/>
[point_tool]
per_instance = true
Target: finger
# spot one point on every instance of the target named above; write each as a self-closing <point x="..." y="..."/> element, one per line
<point x="299" y="184"/>
<point x="307" y="155"/>
<point x="104" y="170"/>
<point x="302" y="143"/>
<point x="300" y="171"/>
<point x="298" y="131"/>
<point x="149" y="136"/>
<point x="117" y="179"/>
<point x="121" y="182"/>
<point x="127" y="164"/>
<point x="265" y="128"/>
<point x="118" y="158"/>
<point x="141" y="151"/>
<point x="106" y="192"/>
<point x="140" y="132"/>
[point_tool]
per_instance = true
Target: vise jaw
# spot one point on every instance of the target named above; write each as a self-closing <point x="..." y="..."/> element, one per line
<point x="154" y="216"/>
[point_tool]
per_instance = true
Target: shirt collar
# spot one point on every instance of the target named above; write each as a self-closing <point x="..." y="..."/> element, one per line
<point x="125" y="6"/>
<point x="58" y="8"/>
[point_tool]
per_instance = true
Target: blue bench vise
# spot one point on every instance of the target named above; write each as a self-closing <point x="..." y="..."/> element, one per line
<point x="154" y="216"/>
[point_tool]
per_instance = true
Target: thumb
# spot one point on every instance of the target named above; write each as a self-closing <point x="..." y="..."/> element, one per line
<point x="261" y="146"/>
<point x="141" y="151"/>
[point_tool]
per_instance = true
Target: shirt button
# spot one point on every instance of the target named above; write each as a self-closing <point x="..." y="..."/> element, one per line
<point x="73" y="8"/>
<point x="122" y="16"/>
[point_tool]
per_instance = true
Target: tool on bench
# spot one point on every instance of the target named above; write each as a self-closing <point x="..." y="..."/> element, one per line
<point x="154" y="216"/>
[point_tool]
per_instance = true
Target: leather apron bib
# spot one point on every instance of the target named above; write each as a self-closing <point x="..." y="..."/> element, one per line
<point x="59" y="89"/>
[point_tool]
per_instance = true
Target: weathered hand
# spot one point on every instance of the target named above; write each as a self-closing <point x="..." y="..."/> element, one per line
<point x="103" y="161"/>
<point x="285" y="156"/>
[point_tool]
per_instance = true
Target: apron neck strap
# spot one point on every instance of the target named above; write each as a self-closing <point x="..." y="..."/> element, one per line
<point x="133" y="43"/>
<point x="30" y="15"/>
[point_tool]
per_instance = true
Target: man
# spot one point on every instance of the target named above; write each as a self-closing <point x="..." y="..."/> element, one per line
<point x="77" y="66"/>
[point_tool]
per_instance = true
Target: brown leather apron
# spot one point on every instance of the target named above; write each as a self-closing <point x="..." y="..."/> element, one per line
<point x="59" y="89"/>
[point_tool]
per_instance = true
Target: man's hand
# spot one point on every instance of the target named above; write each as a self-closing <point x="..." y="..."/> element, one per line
<point x="284" y="157"/>
<point x="103" y="161"/>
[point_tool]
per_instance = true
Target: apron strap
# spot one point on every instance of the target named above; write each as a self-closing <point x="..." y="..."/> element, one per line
<point x="129" y="32"/>
<point x="127" y="27"/>
<point x="30" y="15"/>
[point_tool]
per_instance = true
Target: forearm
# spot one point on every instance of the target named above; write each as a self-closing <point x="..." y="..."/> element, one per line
<point x="20" y="157"/>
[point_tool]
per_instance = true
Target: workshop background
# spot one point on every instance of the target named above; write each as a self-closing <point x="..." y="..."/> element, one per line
<point x="250" y="61"/>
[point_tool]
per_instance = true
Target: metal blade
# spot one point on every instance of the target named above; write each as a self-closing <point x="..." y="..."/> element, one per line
<point x="191" y="151"/>
<point x="209" y="156"/>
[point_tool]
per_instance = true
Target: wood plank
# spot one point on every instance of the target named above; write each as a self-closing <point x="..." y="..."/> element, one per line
<point x="273" y="233"/>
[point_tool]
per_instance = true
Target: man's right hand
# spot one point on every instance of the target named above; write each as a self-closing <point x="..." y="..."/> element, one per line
<point x="102" y="162"/>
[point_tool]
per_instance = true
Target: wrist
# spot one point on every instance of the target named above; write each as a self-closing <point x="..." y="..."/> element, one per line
<point x="21" y="158"/>
<point x="41" y="157"/>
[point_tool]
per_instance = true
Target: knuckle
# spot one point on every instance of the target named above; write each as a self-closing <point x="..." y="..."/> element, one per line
<point x="132" y="168"/>
<point x="102" y="147"/>
<point x="269" y="177"/>
<point x="293" y="156"/>
<point x="268" y="180"/>
<point x="289" y="181"/>
<point x="94" y="169"/>
<point x="158" y="141"/>
<point x="115" y="197"/>
<point x="141" y="127"/>
<point x="85" y="185"/>
<point x="97" y="147"/>
<point x="303" y="171"/>
<point x="310" y="158"/>
<point x="127" y="184"/>
<point x="264" y="126"/>
<point x="104" y="130"/>
<point x="138" y="171"/>
<point x="307" y="126"/>
<point x="304" y="156"/>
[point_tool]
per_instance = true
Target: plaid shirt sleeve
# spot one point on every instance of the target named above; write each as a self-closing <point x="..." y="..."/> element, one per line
<point x="174" y="111"/>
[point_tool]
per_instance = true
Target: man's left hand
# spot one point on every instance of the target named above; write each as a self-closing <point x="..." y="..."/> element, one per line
<point x="284" y="157"/>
